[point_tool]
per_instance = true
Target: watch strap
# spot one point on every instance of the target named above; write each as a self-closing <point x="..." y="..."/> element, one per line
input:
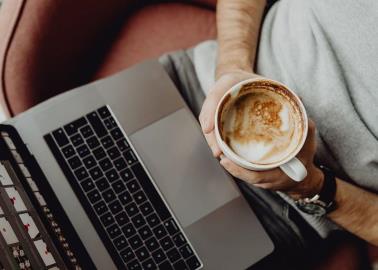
<point x="328" y="191"/>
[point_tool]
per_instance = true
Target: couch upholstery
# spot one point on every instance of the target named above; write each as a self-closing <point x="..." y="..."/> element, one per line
<point x="48" y="47"/>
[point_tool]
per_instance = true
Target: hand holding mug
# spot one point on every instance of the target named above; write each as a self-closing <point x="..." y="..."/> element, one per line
<point x="256" y="155"/>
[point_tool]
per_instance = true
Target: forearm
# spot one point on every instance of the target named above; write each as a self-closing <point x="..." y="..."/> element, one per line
<point x="356" y="211"/>
<point x="238" y="24"/>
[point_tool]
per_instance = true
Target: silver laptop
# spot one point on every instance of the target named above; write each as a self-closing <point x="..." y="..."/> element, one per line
<point x="119" y="172"/>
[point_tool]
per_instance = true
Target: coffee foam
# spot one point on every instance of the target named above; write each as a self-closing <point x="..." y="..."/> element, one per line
<point x="262" y="124"/>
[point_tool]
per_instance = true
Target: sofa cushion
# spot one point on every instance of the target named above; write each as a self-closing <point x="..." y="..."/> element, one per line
<point x="154" y="30"/>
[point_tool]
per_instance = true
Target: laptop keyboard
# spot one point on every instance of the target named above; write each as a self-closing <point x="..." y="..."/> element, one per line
<point x="118" y="195"/>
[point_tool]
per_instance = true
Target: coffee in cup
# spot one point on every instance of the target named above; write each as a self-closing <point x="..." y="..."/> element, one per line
<point x="260" y="125"/>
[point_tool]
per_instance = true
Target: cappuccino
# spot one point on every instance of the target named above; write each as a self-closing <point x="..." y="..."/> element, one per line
<point x="262" y="123"/>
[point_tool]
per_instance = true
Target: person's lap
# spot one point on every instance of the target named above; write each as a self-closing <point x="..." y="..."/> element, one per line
<point x="287" y="229"/>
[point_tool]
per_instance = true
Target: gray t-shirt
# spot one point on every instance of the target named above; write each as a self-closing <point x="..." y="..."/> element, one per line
<point x="327" y="52"/>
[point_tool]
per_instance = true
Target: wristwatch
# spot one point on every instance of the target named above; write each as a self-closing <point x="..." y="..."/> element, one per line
<point x="323" y="202"/>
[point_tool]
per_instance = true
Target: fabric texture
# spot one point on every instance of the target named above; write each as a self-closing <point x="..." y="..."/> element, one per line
<point x="323" y="51"/>
<point x="48" y="47"/>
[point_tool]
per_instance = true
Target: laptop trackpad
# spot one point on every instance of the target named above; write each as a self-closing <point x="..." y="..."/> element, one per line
<point x="178" y="158"/>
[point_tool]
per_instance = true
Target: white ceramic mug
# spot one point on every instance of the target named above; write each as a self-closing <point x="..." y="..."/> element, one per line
<point x="291" y="165"/>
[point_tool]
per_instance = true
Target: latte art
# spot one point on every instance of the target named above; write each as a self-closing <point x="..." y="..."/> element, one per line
<point x="261" y="126"/>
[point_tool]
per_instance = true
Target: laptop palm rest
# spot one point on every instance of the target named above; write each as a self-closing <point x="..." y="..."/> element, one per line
<point x="179" y="160"/>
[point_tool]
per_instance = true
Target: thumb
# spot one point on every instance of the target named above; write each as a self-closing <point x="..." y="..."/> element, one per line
<point x="207" y="115"/>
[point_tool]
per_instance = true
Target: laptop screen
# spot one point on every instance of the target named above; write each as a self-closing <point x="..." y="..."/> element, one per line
<point x="35" y="232"/>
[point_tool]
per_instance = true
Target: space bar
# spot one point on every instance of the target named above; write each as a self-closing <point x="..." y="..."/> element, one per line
<point x="151" y="191"/>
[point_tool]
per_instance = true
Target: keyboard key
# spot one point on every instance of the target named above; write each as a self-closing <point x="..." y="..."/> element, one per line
<point x="104" y="112"/>
<point x="151" y="192"/>
<point x="133" y="186"/>
<point x="108" y="195"/>
<point x="118" y="186"/>
<point x="142" y="254"/>
<point x="123" y="145"/>
<point x="159" y="256"/>
<point x="114" y="231"/>
<point x="77" y="140"/>
<point x="166" y="243"/>
<point x="180" y="265"/>
<point x="146" y="209"/>
<point x="126" y="175"/>
<point x="96" y="173"/>
<point x="60" y="137"/>
<point x="131" y="209"/>
<point x="74" y="162"/>
<point x="179" y="240"/>
<point x="83" y="150"/>
<point x="110" y="123"/>
<point x="113" y="153"/>
<point x="135" y="242"/>
<point x="193" y="263"/>
<point x="102" y="184"/>
<point x="89" y="162"/>
<point x="186" y="251"/>
<point x="173" y="255"/>
<point x="115" y="207"/>
<point x="97" y="124"/>
<point x="68" y="151"/>
<point x="134" y="265"/>
<point x="128" y="230"/>
<point x="99" y="153"/>
<point x="107" y="142"/>
<point x="81" y="173"/>
<point x="73" y="127"/>
<point x="93" y="142"/>
<point x="159" y="232"/>
<point x="145" y="232"/>
<point x="153" y="220"/>
<point x="125" y="198"/>
<point x="105" y="164"/>
<point x="138" y="221"/>
<point x="120" y="164"/>
<point x="120" y="242"/>
<point x="86" y="131"/>
<point x="171" y="226"/>
<point x="166" y="266"/>
<point x="100" y="208"/>
<point x="127" y="255"/>
<point x="87" y="185"/>
<point x="107" y="219"/>
<point x="121" y="218"/>
<point x="94" y="196"/>
<point x="112" y="175"/>
<point x="130" y="157"/>
<point x="149" y="265"/>
<point x="139" y="197"/>
<point x="152" y="244"/>
<point x="116" y="134"/>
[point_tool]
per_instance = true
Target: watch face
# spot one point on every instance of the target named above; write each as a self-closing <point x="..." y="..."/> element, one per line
<point x="313" y="209"/>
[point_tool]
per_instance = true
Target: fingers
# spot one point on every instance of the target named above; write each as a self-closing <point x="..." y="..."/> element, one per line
<point x="210" y="138"/>
<point x="263" y="179"/>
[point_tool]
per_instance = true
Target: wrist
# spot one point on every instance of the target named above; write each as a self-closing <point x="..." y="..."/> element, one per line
<point x="233" y="62"/>
<point x="234" y="68"/>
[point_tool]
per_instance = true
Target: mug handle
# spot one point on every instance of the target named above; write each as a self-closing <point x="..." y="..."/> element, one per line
<point x="294" y="169"/>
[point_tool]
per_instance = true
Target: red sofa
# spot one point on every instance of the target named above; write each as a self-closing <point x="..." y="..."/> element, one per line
<point x="48" y="47"/>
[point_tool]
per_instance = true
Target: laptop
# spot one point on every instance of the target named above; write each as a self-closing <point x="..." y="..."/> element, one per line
<point x="116" y="174"/>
